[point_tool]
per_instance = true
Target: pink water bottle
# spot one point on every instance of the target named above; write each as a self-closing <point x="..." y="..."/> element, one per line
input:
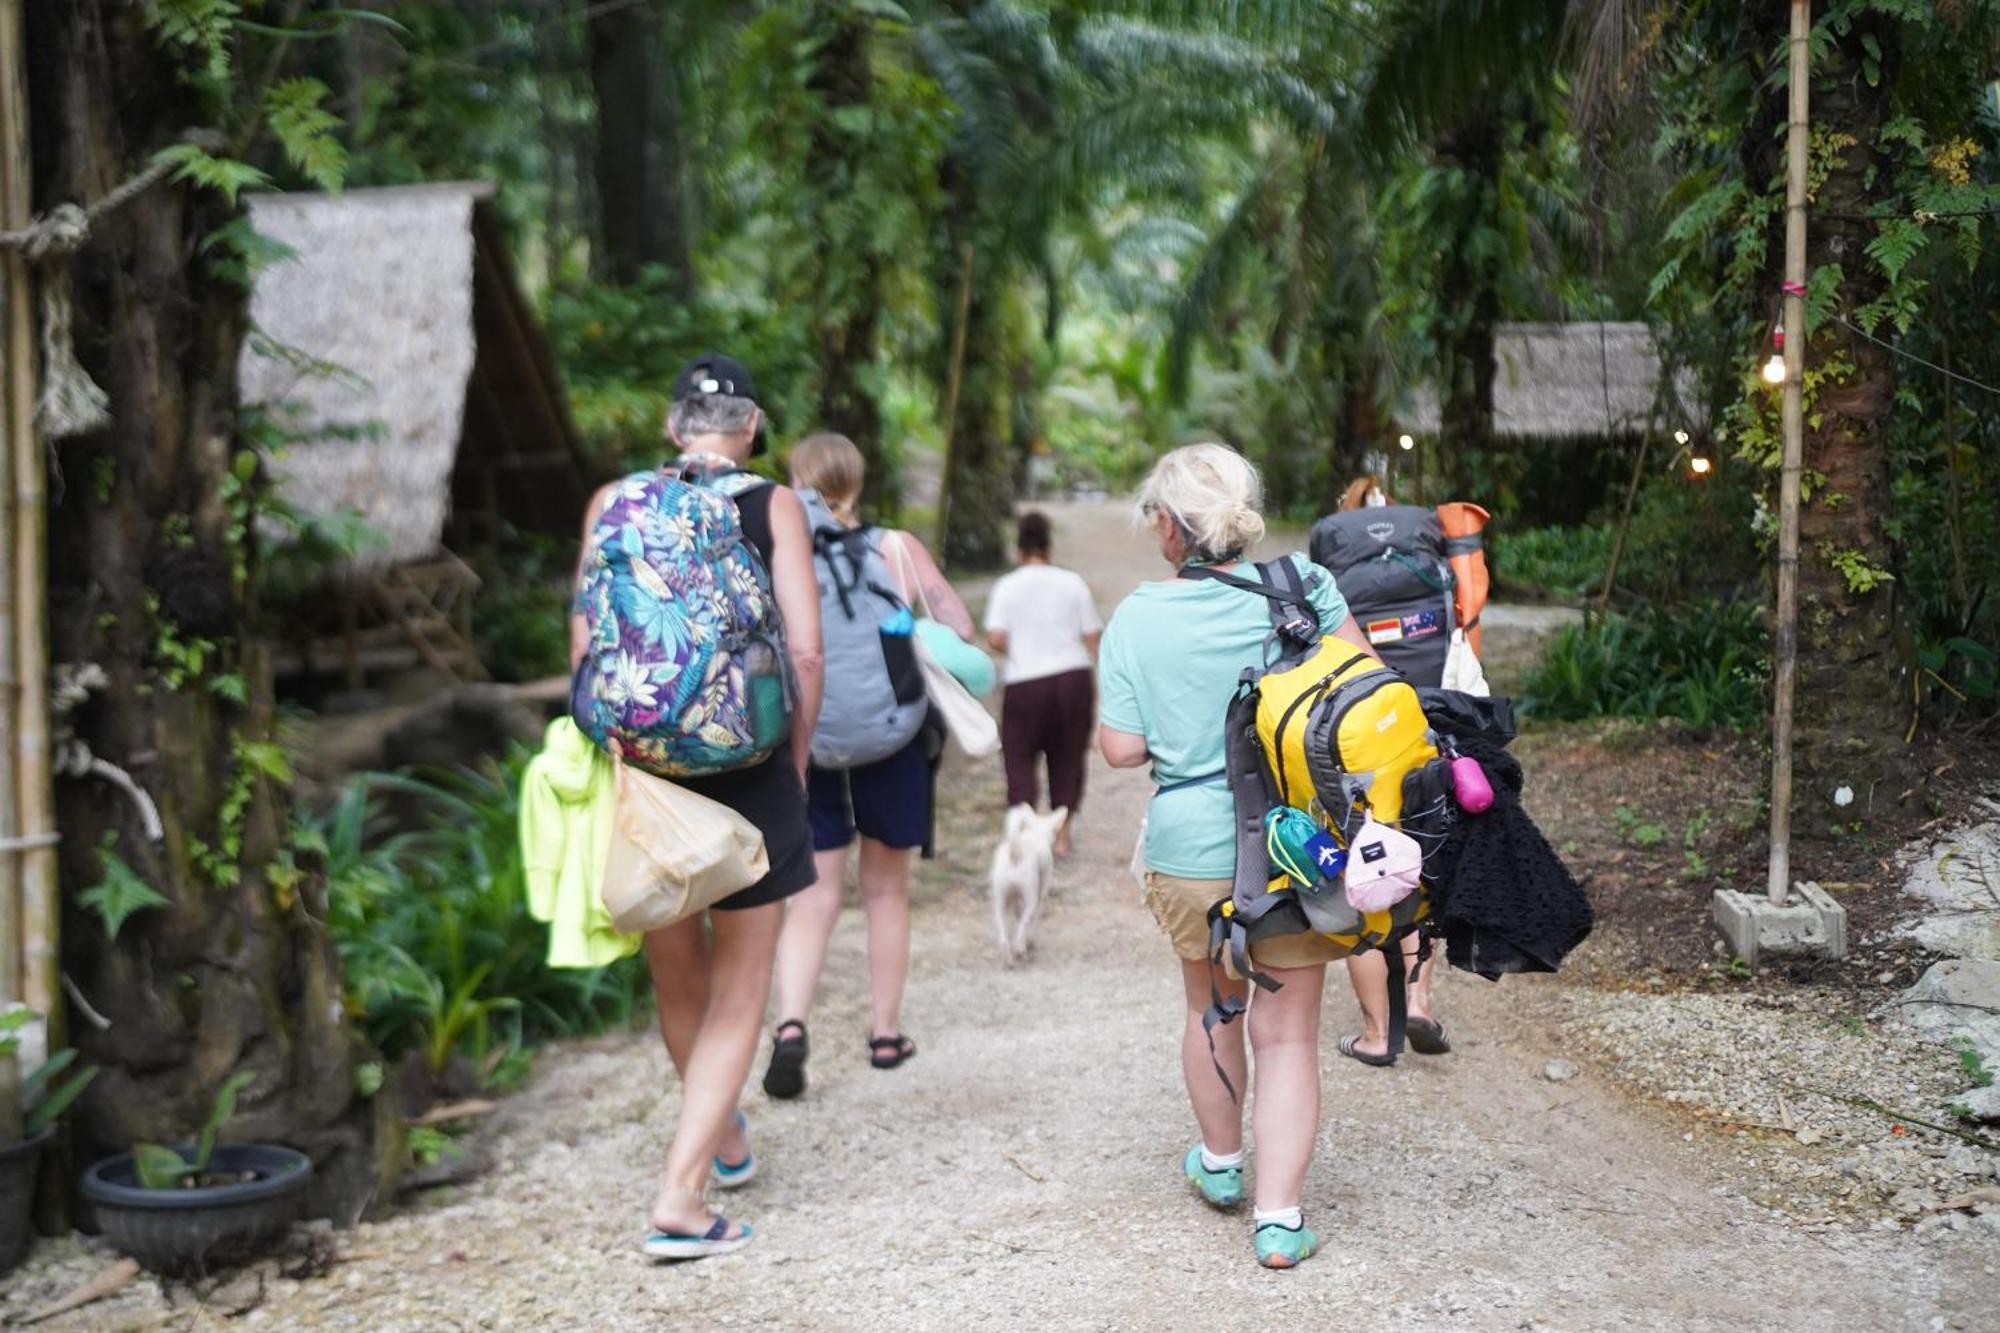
<point x="1470" y="787"/>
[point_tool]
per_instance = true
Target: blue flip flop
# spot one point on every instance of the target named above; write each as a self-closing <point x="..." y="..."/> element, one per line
<point x="735" y="1175"/>
<point x="716" y="1240"/>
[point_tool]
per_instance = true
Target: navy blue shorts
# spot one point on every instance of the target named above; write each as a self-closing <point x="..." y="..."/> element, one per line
<point x="888" y="800"/>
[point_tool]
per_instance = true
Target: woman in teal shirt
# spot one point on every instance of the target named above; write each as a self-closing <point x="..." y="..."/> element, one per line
<point x="1171" y="658"/>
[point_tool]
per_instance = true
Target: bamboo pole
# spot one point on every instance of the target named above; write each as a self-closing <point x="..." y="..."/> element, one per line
<point x="1625" y="517"/>
<point x="954" y="378"/>
<point x="16" y="381"/>
<point x="41" y="984"/>
<point x="1778" y="885"/>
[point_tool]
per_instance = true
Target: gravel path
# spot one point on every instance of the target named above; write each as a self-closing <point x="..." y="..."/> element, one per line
<point x="1022" y="1171"/>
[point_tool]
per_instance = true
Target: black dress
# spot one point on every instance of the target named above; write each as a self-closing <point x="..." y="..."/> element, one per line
<point x="770" y="794"/>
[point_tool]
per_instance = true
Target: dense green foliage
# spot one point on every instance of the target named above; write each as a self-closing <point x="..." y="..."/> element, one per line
<point x="432" y="923"/>
<point x="1704" y="663"/>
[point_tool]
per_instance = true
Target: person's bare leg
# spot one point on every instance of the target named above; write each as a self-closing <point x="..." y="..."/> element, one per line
<point x="810" y="915"/>
<point x="1284" y="1040"/>
<point x="677" y="959"/>
<point x="741" y="952"/>
<point x="1219" y="1116"/>
<point x="1369" y="973"/>
<point x="885" y="896"/>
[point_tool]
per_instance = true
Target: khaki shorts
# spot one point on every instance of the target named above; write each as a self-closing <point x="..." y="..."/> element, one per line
<point x="1181" y="907"/>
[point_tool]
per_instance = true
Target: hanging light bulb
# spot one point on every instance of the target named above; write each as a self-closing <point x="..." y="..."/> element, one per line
<point x="1681" y="438"/>
<point x="1700" y="465"/>
<point x="1406" y="442"/>
<point x="1774" y="369"/>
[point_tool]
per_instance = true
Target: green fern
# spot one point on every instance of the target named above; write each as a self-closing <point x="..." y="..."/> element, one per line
<point x="225" y="175"/>
<point x="296" y="112"/>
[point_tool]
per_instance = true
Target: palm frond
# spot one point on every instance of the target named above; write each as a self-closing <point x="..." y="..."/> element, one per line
<point x="1445" y="61"/>
<point x="1207" y="64"/>
<point x="1243" y="232"/>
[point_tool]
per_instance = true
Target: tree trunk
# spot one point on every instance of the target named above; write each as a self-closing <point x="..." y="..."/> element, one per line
<point x="1469" y="291"/>
<point x="978" y="487"/>
<point x="638" y="149"/>
<point x="1357" y="429"/>
<point x="149" y="556"/>
<point x="1853" y="688"/>
<point x="847" y="294"/>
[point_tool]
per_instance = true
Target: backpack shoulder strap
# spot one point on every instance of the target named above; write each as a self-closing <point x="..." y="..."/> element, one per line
<point x="735" y="483"/>
<point x="1278" y="582"/>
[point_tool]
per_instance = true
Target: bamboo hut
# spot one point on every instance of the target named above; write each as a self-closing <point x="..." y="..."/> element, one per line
<point x="395" y="353"/>
<point x="1562" y="381"/>
<point x="1572" y="399"/>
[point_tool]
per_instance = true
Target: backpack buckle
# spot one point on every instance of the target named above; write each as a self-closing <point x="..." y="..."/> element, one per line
<point x="1299" y="630"/>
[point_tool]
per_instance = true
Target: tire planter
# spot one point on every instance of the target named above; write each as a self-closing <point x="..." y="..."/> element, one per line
<point x="187" y="1230"/>
<point x="18" y="1164"/>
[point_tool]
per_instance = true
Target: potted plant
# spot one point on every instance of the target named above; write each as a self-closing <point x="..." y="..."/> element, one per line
<point x="28" y="1110"/>
<point x="180" y="1209"/>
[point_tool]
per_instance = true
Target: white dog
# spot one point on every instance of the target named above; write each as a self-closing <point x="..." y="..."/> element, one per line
<point x="1023" y="864"/>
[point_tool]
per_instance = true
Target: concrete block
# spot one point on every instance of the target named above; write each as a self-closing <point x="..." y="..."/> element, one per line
<point x="1957" y="999"/>
<point x="1811" y="922"/>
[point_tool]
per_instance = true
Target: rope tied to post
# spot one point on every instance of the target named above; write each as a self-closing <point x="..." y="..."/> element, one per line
<point x="71" y="402"/>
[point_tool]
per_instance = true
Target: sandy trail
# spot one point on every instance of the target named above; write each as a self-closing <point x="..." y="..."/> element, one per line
<point x="1022" y="1172"/>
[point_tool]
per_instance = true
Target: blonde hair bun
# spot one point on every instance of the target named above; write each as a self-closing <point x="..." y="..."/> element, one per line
<point x="1213" y="492"/>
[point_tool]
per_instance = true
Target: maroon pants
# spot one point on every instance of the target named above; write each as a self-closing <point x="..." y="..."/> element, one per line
<point x="1050" y="716"/>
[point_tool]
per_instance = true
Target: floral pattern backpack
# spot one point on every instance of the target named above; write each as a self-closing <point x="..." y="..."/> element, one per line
<point x="684" y="671"/>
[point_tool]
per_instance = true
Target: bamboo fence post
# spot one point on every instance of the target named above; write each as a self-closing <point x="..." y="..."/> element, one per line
<point x="41" y="907"/>
<point x="1778" y="884"/>
<point x="16" y="381"/>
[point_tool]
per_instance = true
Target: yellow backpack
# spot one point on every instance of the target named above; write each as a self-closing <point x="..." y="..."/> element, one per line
<point x="1325" y="728"/>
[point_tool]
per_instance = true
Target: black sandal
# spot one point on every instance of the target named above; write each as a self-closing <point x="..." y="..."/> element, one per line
<point x="786" y="1078"/>
<point x="1426" y="1037"/>
<point x="888" y="1052"/>
<point x="1350" y="1047"/>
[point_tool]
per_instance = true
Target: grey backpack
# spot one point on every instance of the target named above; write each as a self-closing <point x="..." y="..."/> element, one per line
<point x="1391" y="567"/>
<point x="875" y="700"/>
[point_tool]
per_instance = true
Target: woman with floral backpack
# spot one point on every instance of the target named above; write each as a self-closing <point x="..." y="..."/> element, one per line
<point x="738" y="730"/>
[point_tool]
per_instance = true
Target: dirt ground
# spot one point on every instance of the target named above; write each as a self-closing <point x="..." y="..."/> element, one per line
<point x="1023" y="1170"/>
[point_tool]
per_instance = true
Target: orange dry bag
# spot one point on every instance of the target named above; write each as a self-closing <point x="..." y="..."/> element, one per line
<point x="1466" y="549"/>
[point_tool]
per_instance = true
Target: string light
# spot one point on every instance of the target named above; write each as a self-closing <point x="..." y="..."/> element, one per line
<point x="1406" y="442"/>
<point x="1681" y="438"/>
<point x="1774" y="369"/>
<point x="1700" y="465"/>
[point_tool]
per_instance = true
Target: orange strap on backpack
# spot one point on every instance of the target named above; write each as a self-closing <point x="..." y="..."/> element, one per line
<point x="1466" y="549"/>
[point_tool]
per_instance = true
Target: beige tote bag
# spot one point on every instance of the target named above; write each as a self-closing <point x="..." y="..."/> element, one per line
<point x="674" y="853"/>
<point x="964" y="716"/>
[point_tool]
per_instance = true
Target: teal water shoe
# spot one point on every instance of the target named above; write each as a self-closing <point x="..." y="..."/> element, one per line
<point x="1223" y="1189"/>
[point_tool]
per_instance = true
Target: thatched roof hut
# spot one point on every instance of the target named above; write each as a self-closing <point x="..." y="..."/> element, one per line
<point x="395" y="345"/>
<point x="396" y="350"/>
<point x="1567" y="381"/>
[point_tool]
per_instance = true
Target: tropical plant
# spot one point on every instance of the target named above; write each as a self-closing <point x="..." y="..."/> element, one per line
<point x="163" y="1168"/>
<point x="49" y="1089"/>
<point x="1703" y="664"/>
<point x="433" y="927"/>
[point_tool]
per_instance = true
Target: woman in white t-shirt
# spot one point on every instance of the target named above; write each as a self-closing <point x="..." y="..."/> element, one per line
<point x="1043" y="620"/>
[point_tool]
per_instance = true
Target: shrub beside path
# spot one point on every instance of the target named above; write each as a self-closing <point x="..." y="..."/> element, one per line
<point x="1022" y="1171"/>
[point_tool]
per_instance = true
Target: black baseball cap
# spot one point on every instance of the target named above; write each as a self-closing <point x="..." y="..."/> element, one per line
<point x="714" y="373"/>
